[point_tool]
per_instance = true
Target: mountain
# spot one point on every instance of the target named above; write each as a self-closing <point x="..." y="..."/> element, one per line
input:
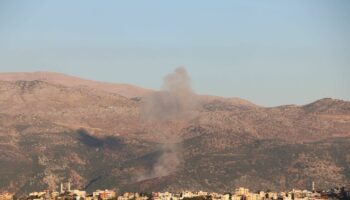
<point x="71" y="81"/>
<point x="52" y="131"/>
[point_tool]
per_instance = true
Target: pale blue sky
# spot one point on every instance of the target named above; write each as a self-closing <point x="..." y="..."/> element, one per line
<point x="270" y="52"/>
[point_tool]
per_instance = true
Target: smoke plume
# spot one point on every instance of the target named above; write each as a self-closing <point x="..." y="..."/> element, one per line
<point x="167" y="111"/>
<point x="174" y="100"/>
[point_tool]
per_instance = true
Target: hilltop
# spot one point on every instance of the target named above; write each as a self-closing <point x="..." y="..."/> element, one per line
<point x="126" y="90"/>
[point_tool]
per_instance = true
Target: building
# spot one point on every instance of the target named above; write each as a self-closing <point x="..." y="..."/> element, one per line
<point x="236" y="197"/>
<point x="241" y="191"/>
<point x="79" y="194"/>
<point x="6" y="196"/>
<point x="187" y="194"/>
<point x="104" y="194"/>
<point x="253" y="196"/>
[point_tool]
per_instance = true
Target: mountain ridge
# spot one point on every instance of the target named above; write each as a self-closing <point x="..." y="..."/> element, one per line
<point x="126" y="90"/>
<point x="50" y="133"/>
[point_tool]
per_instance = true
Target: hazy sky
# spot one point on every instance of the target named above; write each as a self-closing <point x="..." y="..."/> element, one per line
<point x="270" y="52"/>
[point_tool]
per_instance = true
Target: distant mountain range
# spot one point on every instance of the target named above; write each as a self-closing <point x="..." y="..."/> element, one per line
<point x="55" y="128"/>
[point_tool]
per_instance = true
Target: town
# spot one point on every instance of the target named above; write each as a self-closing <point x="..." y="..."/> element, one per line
<point x="241" y="193"/>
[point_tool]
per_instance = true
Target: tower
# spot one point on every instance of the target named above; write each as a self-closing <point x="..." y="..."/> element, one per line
<point x="68" y="186"/>
<point x="61" y="188"/>
<point x="313" y="186"/>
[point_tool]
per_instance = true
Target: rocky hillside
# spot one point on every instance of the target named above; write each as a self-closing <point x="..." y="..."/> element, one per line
<point x="53" y="131"/>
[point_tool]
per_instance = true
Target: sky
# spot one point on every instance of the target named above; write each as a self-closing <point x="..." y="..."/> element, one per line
<point x="269" y="52"/>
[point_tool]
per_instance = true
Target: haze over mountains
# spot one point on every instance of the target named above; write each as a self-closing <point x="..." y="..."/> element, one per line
<point x="55" y="127"/>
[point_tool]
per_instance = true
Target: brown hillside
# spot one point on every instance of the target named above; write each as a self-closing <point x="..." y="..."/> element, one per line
<point x="52" y="132"/>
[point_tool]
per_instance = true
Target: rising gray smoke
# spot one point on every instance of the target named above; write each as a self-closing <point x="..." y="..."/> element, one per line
<point x="174" y="101"/>
<point x="167" y="110"/>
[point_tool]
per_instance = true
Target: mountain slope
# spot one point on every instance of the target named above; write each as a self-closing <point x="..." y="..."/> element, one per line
<point x="52" y="132"/>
